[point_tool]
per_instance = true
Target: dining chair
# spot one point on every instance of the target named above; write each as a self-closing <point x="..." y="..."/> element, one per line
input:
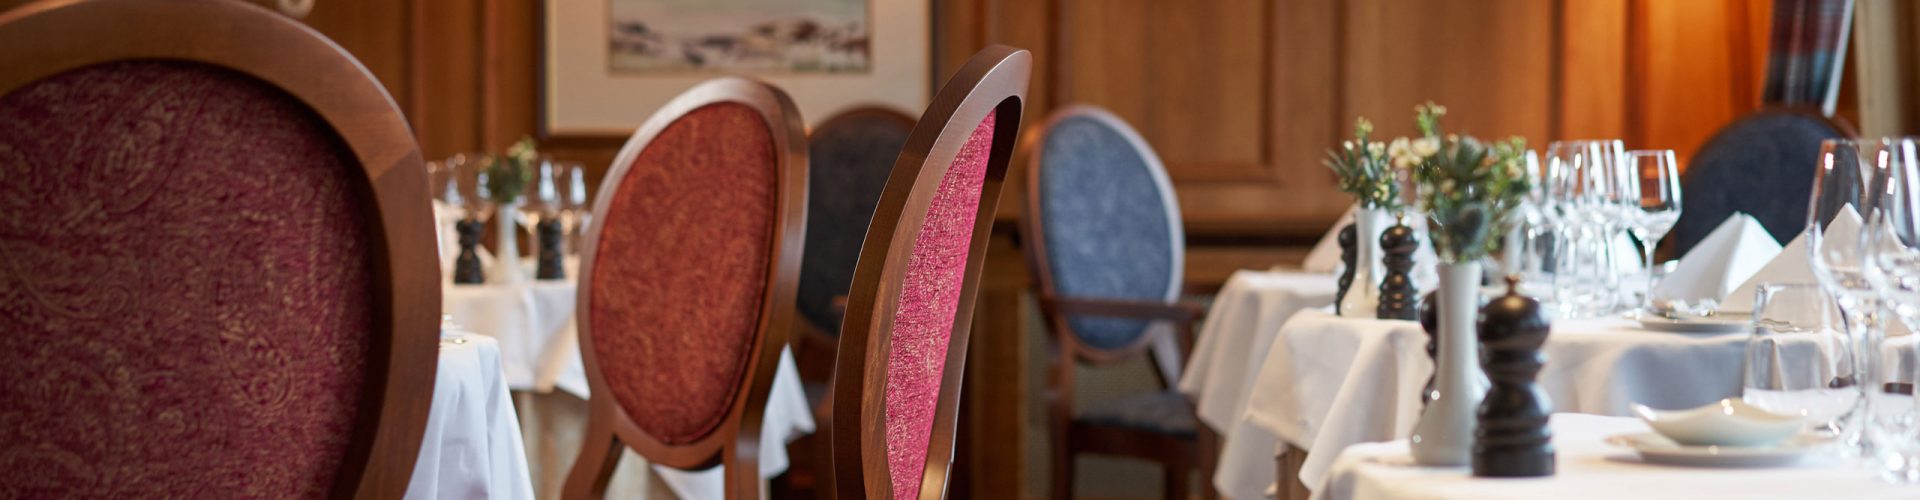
<point x="1761" y="164"/>
<point x="850" y="156"/>
<point x="903" y="344"/>
<point x="1104" y="241"/>
<point x="686" y="284"/>
<point x="219" y="274"/>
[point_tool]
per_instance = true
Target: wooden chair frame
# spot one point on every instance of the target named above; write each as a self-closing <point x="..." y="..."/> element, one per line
<point x="736" y="443"/>
<point x="48" y="37"/>
<point x="994" y="80"/>
<point x="1167" y="347"/>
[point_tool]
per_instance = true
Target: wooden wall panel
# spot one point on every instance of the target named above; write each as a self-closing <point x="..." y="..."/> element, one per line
<point x="1488" y="61"/>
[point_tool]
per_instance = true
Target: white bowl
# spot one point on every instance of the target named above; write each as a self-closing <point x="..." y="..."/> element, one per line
<point x="1729" y="422"/>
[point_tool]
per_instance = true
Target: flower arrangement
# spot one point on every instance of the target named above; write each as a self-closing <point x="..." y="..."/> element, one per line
<point x="1467" y="187"/>
<point x="1363" y="169"/>
<point x="508" y="174"/>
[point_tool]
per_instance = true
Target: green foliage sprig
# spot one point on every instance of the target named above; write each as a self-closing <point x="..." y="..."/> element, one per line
<point x="508" y="174"/>
<point x="1468" y="188"/>
<point x="1364" y="171"/>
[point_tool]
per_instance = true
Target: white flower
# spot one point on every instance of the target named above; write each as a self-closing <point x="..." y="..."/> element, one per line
<point x="1426" y="146"/>
<point x="1377" y="150"/>
<point x="1346" y="145"/>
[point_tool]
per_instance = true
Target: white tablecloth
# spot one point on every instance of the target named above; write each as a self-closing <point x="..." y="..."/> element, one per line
<point x="1240" y="327"/>
<point x="1330" y="382"/>
<point x="539" y="345"/>
<point x="533" y="322"/>
<point x="1587" y="467"/>
<point x="473" y="447"/>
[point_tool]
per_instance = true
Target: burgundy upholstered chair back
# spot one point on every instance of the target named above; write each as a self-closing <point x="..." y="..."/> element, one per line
<point x="904" y="336"/>
<point x="194" y="298"/>
<point x="697" y="234"/>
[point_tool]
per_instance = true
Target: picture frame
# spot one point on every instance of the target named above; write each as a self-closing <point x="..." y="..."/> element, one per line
<point x="585" y="93"/>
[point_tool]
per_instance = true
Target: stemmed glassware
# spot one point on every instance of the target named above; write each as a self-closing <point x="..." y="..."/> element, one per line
<point x="574" y="210"/>
<point x="542" y="198"/>
<point x="1587" y="194"/>
<point x="1890" y="244"/>
<point x="1656" y="183"/>
<point x="1841" y="188"/>
<point x="466" y="188"/>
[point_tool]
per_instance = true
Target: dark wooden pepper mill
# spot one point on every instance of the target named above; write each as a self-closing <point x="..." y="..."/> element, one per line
<point x="552" y="264"/>
<point x="466" y="266"/>
<point x="1430" y="322"/>
<point x="1512" y="439"/>
<point x="1396" y="290"/>
<point x="1349" y="239"/>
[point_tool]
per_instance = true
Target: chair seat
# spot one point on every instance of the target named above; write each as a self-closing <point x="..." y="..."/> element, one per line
<point x="1164" y="412"/>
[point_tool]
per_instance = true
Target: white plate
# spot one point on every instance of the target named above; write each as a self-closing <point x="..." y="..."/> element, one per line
<point x="1719" y="323"/>
<point x="1654" y="448"/>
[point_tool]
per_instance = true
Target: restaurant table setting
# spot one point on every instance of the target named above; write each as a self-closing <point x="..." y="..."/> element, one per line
<point x="1802" y="332"/>
<point x="1590" y="467"/>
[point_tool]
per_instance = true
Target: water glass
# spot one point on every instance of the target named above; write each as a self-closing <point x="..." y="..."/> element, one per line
<point x="1798" y="362"/>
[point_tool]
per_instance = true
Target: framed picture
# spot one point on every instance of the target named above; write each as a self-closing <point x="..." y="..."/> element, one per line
<point x="608" y="64"/>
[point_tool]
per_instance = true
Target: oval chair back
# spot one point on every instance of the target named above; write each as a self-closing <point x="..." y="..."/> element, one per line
<point x="1104" y="225"/>
<point x="849" y="156"/>
<point x="903" y="346"/>
<point x="687" y="284"/>
<point x="219" y="270"/>
<point x="1761" y="164"/>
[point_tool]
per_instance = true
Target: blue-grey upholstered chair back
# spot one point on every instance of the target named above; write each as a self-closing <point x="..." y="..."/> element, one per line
<point x="849" y="157"/>
<point x="1761" y="164"/>
<point x="1110" y="221"/>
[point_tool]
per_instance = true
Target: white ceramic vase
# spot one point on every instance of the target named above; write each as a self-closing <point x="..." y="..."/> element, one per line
<point x="1363" y="296"/>
<point x="506" y="252"/>
<point x="1444" y="434"/>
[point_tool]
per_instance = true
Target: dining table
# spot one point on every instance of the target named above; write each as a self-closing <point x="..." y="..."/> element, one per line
<point x="472" y="447"/>
<point x="1588" y="466"/>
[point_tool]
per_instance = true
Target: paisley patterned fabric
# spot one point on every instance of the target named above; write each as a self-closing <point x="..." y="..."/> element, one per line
<point x="681" y="270"/>
<point x="1761" y="164"/>
<point x="848" y="163"/>
<point x="1107" y="225"/>
<point x="929" y="298"/>
<point x="186" y="294"/>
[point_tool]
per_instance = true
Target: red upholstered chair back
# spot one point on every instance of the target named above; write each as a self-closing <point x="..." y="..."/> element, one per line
<point x="904" y="337"/>
<point x="205" y="288"/>
<point x="697" y="239"/>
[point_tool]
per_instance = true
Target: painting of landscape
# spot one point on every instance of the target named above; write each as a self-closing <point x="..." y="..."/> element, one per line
<point x="738" y="36"/>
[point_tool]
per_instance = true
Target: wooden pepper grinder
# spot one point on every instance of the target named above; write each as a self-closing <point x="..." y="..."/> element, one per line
<point x="466" y="266"/>
<point x="1396" y="291"/>
<point x="552" y="264"/>
<point x="1349" y="239"/>
<point x="1430" y="322"/>
<point x="1512" y="439"/>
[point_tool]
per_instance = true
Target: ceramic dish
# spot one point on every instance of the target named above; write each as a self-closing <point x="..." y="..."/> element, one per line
<point x="1654" y="448"/>
<point x="1728" y="422"/>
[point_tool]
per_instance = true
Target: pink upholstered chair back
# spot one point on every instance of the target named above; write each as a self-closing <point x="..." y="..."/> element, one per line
<point x="904" y="337"/>
<point x="203" y="292"/>
<point x="697" y="239"/>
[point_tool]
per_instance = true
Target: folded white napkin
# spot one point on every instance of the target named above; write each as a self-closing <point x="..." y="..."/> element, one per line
<point x="1728" y="256"/>
<point x="1794" y="264"/>
<point x="1325" y="256"/>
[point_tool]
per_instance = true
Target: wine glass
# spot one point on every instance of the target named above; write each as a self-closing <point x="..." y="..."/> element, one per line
<point x="1841" y="186"/>
<point x="542" y="198"/>
<point x="1584" y="186"/>
<point x="1797" y="362"/>
<point x="575" y="209"/>
<point x="1891" y="244"/>
<point x="1657" y="184"/>
<point x="469" y="187"/>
